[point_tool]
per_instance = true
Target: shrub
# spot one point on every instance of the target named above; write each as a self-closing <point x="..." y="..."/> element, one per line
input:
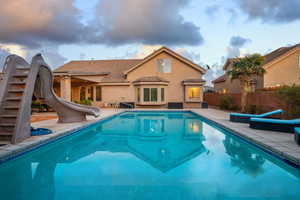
<point x="254" y="109"/>
<point x="87" y="102"/>
<point x="290" y="95"/>
<point x="226" y="103"/>
<point x="251" y="109"/>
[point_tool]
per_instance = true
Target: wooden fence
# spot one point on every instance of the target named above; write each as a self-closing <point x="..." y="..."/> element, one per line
<point x="266" y="100"/>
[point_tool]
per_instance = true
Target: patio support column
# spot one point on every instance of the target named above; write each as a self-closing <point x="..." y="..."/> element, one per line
<point x="65" y="88"/>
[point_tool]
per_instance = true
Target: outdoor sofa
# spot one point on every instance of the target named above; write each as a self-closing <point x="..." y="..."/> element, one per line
<point x="274" y="124"/>
<point x="245" y="118"/>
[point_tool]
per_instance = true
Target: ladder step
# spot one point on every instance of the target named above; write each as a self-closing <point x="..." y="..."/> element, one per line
<point x="17" y="83"/>
<point x="24" y="68"/>
<point x="5" y="133"/>
<point x="11" y="107"/>
<point x="20" y="75"/>
<point x="7" y="125"/>
<point x="13" y="98"/>
<point x="16" y="91"/>
<point x="8" y="116"/>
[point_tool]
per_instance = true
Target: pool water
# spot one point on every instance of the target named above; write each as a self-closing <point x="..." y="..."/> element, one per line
<point x="149" y="155"/>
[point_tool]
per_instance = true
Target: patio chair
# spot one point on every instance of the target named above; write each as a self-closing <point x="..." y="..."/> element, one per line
<point x="245" y="118"/>
<point x="275" y="124"/>
<point x="297" y="135"/>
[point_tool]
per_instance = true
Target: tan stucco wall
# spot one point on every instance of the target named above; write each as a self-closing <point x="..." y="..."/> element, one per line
<point x="180" y="71"/>
<point x="230" y="86"/>
<point x="233" y="86"/>
<point x="283" y="72"/>
<point x="117" y="93"/>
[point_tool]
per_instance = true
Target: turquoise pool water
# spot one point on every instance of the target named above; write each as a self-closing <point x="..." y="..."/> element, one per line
<point x="149" y="155"/>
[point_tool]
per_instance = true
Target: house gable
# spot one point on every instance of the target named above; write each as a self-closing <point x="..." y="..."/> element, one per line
<point x="280" y="54"/>
<point x="285" y="70"/>
<point x="171" y="53"/>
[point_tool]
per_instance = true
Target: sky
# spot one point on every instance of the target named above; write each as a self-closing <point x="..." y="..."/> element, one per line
<point x="205" y="31"/>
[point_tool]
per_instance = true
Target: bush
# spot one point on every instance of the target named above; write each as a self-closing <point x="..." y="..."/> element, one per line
<point x="87" y="102"/>
<point x="290" y="95"/>
<point x="254" y="109"/>
<point x="226" y="103"/>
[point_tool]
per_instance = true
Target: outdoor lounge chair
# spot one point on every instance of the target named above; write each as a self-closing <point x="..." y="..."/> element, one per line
<point x="274" y="124"/>
<point x="245" y="118"/>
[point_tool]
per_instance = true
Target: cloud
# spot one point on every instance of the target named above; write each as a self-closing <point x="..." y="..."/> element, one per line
<point x="30" y="22"/>
<point x="191" y="55"/>
<point x="212" y="10"/>
<point x="238" y="41"/>
<point x="271" y="11"/>
<point x="149" y="22"/>
<point x="236" y="44"/>
<point x="6" y="50"/>
<point x="214" y="72"/>
<point x="51" y="55"/>
<point x="3" y="54"/>
<point x="146" y="50"/>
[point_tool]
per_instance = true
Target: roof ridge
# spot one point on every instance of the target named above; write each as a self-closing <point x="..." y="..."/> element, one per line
<point x="105" y="60"/>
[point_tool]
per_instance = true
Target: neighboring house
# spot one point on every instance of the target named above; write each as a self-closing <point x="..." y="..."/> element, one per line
<point x="282" y="68"/>
<point x="162" y="77"/>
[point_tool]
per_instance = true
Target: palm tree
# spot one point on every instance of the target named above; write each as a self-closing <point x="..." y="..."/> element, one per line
<point x="245" y="69"/>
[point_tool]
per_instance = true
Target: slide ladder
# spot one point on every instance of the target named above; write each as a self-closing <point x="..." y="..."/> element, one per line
<point x="19" y="82"/>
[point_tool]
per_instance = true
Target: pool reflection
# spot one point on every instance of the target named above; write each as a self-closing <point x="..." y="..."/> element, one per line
<point x="159" y="155"/>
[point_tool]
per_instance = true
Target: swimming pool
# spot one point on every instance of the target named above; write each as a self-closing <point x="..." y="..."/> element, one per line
<point x="149" y="155"/>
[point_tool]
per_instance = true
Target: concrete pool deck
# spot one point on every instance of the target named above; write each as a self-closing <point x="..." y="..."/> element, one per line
<point x="281" y="144"/>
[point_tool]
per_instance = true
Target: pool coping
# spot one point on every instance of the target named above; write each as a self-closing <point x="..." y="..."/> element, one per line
<point x="9" y="152"/>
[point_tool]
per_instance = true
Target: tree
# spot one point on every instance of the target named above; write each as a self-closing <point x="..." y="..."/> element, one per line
<point x="245" y="69"/>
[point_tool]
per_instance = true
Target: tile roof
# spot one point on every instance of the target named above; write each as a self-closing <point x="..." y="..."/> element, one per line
<point x="278" y="52"/>
<point x="220" y="79"/>
<point x="268" y="57"/>
<point x="150" y="79"/>
<point x="114" y="68"/>
<point x="195" y="80"/>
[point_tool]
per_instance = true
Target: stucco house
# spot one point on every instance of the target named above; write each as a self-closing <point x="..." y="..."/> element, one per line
<point x="282" y="68"/>
<point x="161" y="78"/>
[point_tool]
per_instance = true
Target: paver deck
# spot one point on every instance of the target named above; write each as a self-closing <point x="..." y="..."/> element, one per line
<point x="281" y="144"/>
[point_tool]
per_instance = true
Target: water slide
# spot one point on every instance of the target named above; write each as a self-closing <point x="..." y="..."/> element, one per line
<point x="20" y="81"/>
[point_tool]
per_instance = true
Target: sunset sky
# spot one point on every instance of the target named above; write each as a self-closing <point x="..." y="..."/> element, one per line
<point x="205" y="31"/>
